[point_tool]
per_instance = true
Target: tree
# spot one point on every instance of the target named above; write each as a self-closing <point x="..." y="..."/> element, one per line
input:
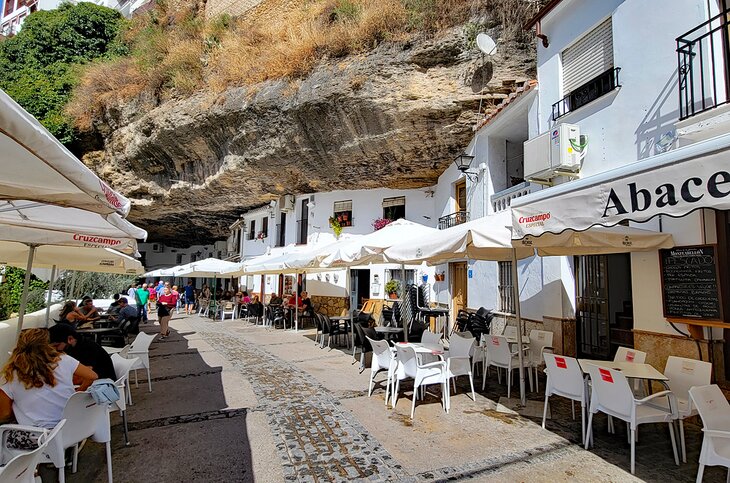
<point x="12" y="288"/>
<point x="40" y="65"/>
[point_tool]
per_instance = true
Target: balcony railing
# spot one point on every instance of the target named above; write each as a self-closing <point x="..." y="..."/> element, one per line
<point x="599" y="86"/>
<point x="502" y="200"/>
<point x="702" y="63"/>
<point x="453" y="219"/>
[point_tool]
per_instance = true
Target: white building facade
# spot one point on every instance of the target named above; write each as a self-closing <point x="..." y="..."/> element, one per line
<point x="636" y="82"/>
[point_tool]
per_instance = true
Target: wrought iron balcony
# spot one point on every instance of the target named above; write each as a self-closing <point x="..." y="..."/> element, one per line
<point x="599" y="86"/>
<point x="702" y="59"/>
<point x="453" y="219"/>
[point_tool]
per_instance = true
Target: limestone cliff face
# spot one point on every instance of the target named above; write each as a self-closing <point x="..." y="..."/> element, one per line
<point x="394" y="117"/>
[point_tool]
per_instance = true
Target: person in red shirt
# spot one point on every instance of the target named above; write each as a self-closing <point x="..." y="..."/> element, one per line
<point x="165" y="305"/>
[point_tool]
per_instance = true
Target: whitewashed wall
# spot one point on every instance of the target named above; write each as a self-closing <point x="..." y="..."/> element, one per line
<point x="624" y="125"/>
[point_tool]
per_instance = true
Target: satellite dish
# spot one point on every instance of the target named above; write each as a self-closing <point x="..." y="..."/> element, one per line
<point x="486" y="44"/>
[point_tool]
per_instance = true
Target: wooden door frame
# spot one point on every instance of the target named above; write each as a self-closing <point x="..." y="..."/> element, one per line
<point x="460" y="184"/>
<point x="452" y="281"/>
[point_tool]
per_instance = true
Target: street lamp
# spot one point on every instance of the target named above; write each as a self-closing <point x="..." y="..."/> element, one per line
<point x="463" y="163"/>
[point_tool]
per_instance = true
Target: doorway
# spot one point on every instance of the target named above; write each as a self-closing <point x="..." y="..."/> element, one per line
<point x="604" y="306"/>
<point x="460" y="195"/>
<point x="360" y="288"/>
<point x="458" y="281"/>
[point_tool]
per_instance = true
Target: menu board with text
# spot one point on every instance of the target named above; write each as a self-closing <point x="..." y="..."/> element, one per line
<point x="690" y="286"/>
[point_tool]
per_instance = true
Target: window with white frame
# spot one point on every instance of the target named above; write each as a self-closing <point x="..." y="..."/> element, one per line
<point x="506" y="293"/>
<point x="394" y="208"/>
<point x="342" y="212"/>
<point x="589" y="57"/>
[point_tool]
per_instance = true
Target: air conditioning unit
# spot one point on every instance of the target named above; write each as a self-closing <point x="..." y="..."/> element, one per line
<point x="554" y="153"/>
<point x="286" y="203"/>
<point x="158" y="247"/>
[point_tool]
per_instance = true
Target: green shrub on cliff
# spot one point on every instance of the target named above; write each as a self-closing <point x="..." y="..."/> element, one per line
<point x="39" y="65"/>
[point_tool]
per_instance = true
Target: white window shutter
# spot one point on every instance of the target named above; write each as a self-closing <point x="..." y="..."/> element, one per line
<point x="588" y="57"/>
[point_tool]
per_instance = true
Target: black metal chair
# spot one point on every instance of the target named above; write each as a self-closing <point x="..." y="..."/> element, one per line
<point x="480" y="323"/>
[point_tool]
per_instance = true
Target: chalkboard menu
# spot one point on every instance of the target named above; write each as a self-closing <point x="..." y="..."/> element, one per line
<point x="690" y="287"/>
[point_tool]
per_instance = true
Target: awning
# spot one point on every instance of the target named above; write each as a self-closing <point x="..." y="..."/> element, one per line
<point x="207" y="268"/>
<point x="35" y="166"/>
<point x="674" y="183"/>
<point x="597" y="240"/>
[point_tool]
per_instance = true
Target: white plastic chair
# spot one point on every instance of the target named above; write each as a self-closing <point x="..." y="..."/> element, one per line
<point x="19" y="465"/>
<point x="499" y="355"/>
<point x="122" y="367"/>
<point x="228" y="308"/>
<point x="383" y="359"/>
<point x="714" y="410"/>
<point x="624" y="354"/>
<point x="684" y="374"/>
<point x="140" y="348"/>
<point x="84" y="419"/>
<point x="458" y="360"/>
<point x="565" y="378"/>
<point x="612" y="395"/>
<point x="540" y="341"/>
<point x="422" y="374"/>
<point x="429" y="337"/>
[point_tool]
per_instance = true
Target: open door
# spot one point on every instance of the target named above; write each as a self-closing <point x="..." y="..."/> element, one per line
<point x="458" y="280"/>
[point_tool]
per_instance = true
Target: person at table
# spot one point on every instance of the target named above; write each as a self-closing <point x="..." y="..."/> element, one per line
<point x="113" y="310"/>
<point x="38" y="381"/>
<point x="189" y="298"/>
<point x="91" y="313"/>
<point x="70" y="314"/>
<point x="165" y="305"/>
<point x="143" y="297"/>
<point x="276" y="300"/>
<point x="255" y="307"/>
<point x="294" y="301"/>
<point x="66" y="340"/>
<point x="306" y="304"/>
<point x="245" y="299"/>
<point x="126" y="311"/>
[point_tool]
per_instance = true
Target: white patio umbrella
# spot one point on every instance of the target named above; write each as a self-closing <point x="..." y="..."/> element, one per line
<point x="39" y="168"/>
<point x="160" y="272"/>
<point x="35" y="224"/>
<point x="103" y="260"/>
<point x="487" y="238"/>
<point x="206" y="268"/>
<point x="369" y="248"/>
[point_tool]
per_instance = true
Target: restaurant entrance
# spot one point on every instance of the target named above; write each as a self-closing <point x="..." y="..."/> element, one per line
<point x="458" y="278"/>
<point x="604" y="309"/>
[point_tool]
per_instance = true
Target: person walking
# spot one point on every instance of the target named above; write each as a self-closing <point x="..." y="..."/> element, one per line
<point x="142" y="298"/>
<point x="189" y="298"/>
<point x="165" y="304"/>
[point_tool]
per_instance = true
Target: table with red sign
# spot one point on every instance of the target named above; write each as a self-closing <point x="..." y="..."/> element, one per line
<point x="632" y="370"/>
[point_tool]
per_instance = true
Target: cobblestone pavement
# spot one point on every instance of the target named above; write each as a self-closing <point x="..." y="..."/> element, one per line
<point x="320" y="440"/>
<point x="317" y="439"/>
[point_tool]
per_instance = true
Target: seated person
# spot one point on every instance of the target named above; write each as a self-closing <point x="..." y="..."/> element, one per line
<point x="306" y="304"/>
<point x="276" y="300"/>
<point x="70" y="314"/>
<point x="65" y="339"/>
<point x="88" y="310"/>
<point x="255" y="307"/>
<point x="113" y="310"/>
<point x="126" y="311"/>
<point x="39" y="381"/>
<point x="294" y="300"/>
<point x="245" y="299"/>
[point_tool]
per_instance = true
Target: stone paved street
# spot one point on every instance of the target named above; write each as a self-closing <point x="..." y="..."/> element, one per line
<point x="233" y="402"/>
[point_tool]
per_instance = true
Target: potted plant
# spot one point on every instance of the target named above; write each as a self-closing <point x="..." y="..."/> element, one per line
<point x="381" y="223"/>
<point x="336" y="226"/>
<point x="392" y="288"/>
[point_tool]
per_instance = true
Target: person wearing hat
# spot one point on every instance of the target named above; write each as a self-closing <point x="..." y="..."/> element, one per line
<point x="65" y="339"/>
